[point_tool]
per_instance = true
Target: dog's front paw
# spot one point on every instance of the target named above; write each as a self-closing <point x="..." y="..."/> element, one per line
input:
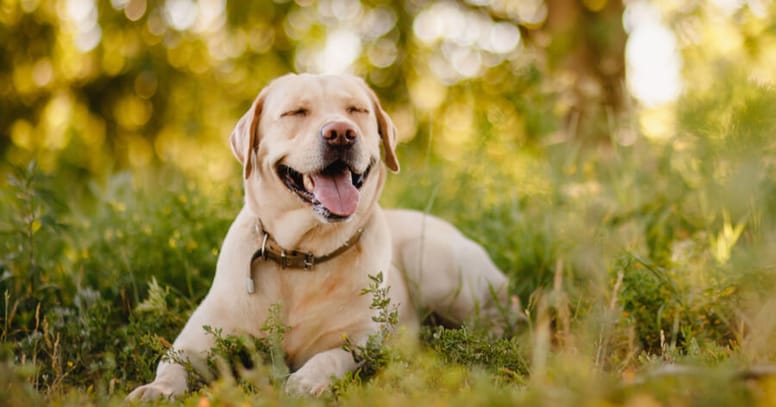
<point x="153" y="391"/>
<point x="307" y="383"/>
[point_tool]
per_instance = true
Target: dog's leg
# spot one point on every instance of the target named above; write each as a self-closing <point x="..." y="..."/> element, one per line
<point x="216" y="311"/>
<point x="315" y="376"/>
<point x="192" y="345"/>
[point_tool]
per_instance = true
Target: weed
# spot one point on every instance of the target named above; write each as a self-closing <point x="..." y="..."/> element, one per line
<point x="472" y="348"/>
<point x="374" y="354"/>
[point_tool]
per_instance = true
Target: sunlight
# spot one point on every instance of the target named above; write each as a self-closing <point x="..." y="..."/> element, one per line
<point x="500" y="38"/>
<point x="728" y="6"/>
<point x="342" y="47"/>
<point x="652" y="58"/>
<point x="467" y="41"/>
<point x="348" y="26"/>
<point x="383" y="53"/>
<point x="443" y="22"/>
<point x="180" y="14"/>
<point x="532" y="12"/>
<point x="55" y="122"/>
<point x="133" y="9"/>
<point x="211" y="15"/>
<point x="83" y="16"/>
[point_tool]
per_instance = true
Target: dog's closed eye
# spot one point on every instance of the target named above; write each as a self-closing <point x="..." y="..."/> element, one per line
<point x="356" y="109"/>
<point x="300" y="112"/>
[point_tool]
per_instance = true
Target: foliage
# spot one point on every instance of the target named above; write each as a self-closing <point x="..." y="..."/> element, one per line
<point x="373" y="355"/>
<point x="471" y="348"/>
<point x="70" y="289"/>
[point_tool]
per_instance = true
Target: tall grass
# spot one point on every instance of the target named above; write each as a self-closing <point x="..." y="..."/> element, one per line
<point x="647" y="274"/>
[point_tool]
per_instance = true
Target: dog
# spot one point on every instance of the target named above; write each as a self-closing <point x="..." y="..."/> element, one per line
<point x="315" y="151"/>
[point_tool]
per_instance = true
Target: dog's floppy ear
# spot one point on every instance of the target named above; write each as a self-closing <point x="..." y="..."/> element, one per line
<point x="387" y="131"/>
<point x="244" y="139"/>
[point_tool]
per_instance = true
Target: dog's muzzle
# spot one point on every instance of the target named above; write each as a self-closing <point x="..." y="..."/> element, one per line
<point x="334" y="189"/>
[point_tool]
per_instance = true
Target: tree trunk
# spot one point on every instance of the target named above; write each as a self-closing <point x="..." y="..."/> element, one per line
<point x="586" y="54"/>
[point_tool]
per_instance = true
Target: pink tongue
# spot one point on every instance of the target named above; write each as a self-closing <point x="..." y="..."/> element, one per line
<point x="336" y="193"/>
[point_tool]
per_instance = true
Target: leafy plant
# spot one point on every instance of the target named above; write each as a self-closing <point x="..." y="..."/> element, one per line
<point x="375" y="353"/>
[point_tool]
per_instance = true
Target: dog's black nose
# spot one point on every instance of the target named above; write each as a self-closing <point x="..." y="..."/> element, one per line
<point x="339" y="134"/>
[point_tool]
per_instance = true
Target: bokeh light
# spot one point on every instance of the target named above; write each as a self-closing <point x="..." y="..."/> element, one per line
<point x="652" y="56"/>
<point x="178" y="73"/>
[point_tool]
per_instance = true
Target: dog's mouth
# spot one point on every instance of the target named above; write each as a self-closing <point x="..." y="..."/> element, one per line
<point x="333" y="191"/>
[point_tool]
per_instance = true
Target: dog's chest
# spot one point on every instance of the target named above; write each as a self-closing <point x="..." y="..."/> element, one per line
<point x="320" y="308"/>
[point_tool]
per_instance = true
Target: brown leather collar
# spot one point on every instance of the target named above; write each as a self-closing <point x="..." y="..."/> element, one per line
<point x="294" y="259"/>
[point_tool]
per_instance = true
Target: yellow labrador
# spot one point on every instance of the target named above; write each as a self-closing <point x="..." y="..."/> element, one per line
<point x="311" y="233"/>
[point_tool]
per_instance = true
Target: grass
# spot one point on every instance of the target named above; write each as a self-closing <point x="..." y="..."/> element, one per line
<point x="647" y="273"/>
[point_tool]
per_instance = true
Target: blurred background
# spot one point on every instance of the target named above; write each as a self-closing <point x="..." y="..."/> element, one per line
<point x="92" y="87"/>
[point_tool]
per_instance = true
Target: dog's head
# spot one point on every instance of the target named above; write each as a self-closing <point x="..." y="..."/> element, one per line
<point x="313" y="141"/>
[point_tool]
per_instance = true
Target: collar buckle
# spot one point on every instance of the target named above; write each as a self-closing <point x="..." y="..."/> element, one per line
<point x="309" y="261"/>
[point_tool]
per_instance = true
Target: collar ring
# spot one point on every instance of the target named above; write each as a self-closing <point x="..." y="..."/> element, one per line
<point x="264" y="246"/>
